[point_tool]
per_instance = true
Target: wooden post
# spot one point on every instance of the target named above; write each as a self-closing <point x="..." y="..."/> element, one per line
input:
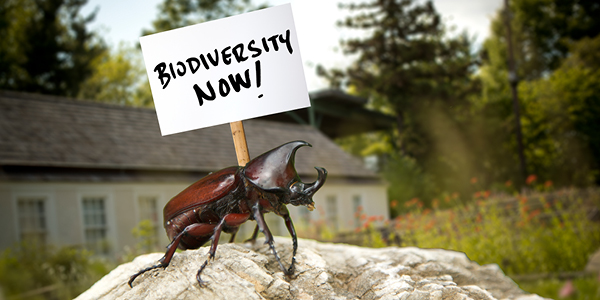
<point x="239" y="141"/>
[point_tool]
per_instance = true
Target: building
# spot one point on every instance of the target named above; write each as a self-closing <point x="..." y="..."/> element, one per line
<point x="83" y="173"/>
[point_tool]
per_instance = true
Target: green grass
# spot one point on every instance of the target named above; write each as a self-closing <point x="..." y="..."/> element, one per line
<point x="587" y="288"/>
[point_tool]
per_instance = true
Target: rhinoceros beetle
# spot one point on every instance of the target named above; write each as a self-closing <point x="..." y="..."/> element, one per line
<point x="223" y="200"/>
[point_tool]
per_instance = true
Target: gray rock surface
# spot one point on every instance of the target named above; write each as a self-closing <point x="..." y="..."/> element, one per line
<point x="323" y="271"/>
<point x="593" y="265"/>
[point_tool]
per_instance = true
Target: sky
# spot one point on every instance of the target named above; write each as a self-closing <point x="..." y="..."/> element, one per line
<point x="123" y="21"/>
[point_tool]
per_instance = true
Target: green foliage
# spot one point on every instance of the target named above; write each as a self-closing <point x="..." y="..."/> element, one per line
<point x="405" y="63"/>
<point x="118" y="78"/>
<point x="373" y="238"/>
<point x="179" y="13"/>
<point x="46" y="47"/>
<point x="526" y="235"/>
<point x="145" y="233"/>
<point x="562" y="116"/>
<point x="550" y="26"/>
<point x="63" y="272"/>
<point x="409" y="182"/>
<point x="539" y="233"/>
<point x="587" y="288"/>
<point x="557" y="65"/>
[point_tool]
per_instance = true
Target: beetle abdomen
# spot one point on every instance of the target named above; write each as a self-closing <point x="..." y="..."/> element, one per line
<point x="200" y="230"/>
<point x="208" y="189"/>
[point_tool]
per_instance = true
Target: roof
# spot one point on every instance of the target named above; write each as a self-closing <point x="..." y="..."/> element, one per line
<point x="337" y="114"/>
<point x="55" y="132"/>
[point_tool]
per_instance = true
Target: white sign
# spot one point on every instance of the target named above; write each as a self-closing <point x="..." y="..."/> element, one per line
<point x="226" y="70"/>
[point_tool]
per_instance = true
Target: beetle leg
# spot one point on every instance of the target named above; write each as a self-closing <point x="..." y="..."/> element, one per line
<point x="254" y="235"/>
<point x="290" y="227"/>
<point x="193" y="230"/>
<point x="260" y="220"/>
<point x="163" y="262"/>
<point x="232" y="220"/>
<point x="213" y="250"/>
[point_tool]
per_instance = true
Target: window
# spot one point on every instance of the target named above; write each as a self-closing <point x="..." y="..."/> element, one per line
<point x="149" y="214"/>
<point x="32" y="219"/>
<point x="331" y="211"/>
<point x="94" y="223"/>
<point x="357" y="209"/>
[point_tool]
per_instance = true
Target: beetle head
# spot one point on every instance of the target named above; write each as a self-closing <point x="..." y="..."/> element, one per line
<point x="274" y="171"/>
<point x="301" y="193"/>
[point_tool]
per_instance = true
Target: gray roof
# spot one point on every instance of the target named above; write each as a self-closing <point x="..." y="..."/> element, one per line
<point x="48" y="131"/>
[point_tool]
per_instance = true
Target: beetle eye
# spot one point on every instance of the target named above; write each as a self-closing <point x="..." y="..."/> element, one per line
<point x="296" y="188"/>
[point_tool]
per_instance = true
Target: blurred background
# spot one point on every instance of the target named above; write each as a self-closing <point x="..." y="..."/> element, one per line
<point x="470" y="126"/>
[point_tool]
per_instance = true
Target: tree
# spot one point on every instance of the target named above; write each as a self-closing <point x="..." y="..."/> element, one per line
<point x="408" y="63"/>
<point x="551" y="26"/>
<point x="543" y="35"/>
<point x="563" y="112"/>
<point x="179" y="13"/>
<point x="118" y="78"/>
<point x="46" y="47"/>
<point x="405" y="60"/>
<point x="543" y="31"/>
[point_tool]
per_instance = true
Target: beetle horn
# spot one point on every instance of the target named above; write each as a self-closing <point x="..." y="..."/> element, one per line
<point x="275" y="168"/>
<point x="312" y="188"/>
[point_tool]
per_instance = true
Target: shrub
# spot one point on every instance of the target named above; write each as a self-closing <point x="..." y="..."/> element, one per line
<point x="537" y="233"/>
<point x="44" y="271"/>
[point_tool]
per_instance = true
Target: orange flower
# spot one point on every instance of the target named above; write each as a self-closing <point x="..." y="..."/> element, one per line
<point x="523" y="200"/>
<point x="474" y="180"/>
<point x="548" y="183"/>
<point x="534" y="214"/>
<point x="478" y="220"/>
<point x="530" y="179"/>
<point x="508" y="183"/>
<point x="435" y="203"/>
<point x="477" y="195"/>
<point x="430" y="225"/>
<point x="454" y="195"/>
<point x="394" y="203"/>
<point x="447" y="199"/>
<point x="486" y="194"/>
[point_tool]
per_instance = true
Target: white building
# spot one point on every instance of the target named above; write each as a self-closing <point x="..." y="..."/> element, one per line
<point x="83" y="173"/>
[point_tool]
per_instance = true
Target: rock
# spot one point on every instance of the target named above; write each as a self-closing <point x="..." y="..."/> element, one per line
<point x="323" y="271"/>
<point x="593" y="265"/>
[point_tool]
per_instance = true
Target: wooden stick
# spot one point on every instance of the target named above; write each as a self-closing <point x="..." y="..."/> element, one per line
<point x="239" y="141"/>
